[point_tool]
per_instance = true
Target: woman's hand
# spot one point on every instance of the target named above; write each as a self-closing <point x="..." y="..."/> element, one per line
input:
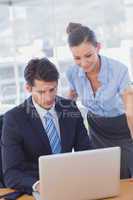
<point x="72" y="95"/>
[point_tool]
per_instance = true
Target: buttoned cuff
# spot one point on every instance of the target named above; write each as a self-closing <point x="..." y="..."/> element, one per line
<point x="34" y="186"/>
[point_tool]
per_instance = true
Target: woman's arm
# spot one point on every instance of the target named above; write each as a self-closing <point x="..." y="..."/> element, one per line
<point x="128" y="102"/>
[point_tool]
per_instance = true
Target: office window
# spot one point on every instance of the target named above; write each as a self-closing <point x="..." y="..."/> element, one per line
<point x="32" y="28"/>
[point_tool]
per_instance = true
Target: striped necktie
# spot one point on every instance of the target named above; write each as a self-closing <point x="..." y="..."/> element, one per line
<point x="52" y="133"/>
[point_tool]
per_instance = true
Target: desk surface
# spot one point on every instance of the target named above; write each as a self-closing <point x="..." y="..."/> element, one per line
<point x="126" y="192"/>
<point x="24" y="197"/>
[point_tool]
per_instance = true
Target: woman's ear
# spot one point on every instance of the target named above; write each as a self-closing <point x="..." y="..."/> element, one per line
<point x="28" y="87"/>
<point x="98" y="47"/>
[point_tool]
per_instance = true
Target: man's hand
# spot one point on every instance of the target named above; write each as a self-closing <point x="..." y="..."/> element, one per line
<point x="38" y="187"/>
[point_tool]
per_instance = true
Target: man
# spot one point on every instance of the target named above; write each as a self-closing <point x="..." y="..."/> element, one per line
<point x="44" y="124"/>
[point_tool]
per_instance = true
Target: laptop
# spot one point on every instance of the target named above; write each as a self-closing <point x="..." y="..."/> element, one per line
<point x="84" y="175"/>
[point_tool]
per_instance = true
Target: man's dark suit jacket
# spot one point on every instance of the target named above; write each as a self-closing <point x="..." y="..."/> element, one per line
<point x="24" y="140"/>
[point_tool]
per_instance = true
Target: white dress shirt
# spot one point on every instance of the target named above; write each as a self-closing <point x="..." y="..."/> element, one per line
<point x="42" y="112"/>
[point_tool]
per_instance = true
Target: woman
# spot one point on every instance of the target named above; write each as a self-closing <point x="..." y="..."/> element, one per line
<point x="103" y="85"/>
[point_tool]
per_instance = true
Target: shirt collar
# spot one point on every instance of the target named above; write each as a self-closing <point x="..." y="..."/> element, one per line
<point x="81" y="72"/>
<point x="103" y="74"/>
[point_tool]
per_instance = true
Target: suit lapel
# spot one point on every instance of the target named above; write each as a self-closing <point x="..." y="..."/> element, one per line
<point x="36" y="123"/>
<point x="62" y="123"/>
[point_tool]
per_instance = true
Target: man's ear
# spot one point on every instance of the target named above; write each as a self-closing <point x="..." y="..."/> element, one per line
<point x="28" y="87"/>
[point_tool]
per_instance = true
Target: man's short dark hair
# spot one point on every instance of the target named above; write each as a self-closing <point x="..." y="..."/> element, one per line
<point x="40" y="69"/>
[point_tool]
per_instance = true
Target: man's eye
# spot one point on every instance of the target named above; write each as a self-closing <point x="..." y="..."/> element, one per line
<point x="52" y="90"/>
<point x="88" y="56"/>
